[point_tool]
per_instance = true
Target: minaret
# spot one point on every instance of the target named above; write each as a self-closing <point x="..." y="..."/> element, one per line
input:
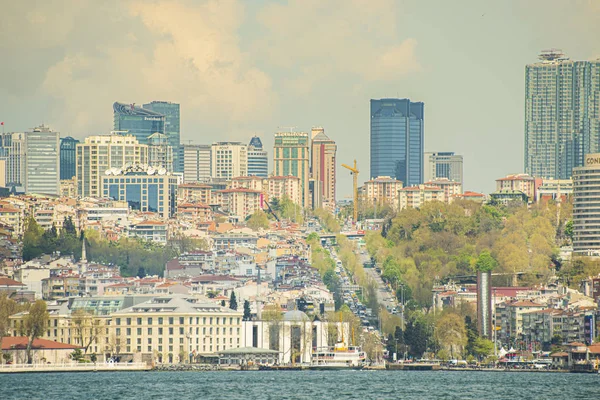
<point x="83" y="260"/>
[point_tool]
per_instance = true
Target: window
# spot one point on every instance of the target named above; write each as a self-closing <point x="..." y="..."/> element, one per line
<point x="181" y="320"/>
<point x="150" y="321"/>
<point x="160" y="320"/>
<point x="160" y="331"/>
<point x="139" y="331"/>
<point x="128" y="331"/>
<point x="149" y="331"/>
<point x="181" y="331"/>
<point x="118" y="321"/>
<point x="128" y="321"/>
<point x="170" y="320"/>
<point x="170" y="331"/>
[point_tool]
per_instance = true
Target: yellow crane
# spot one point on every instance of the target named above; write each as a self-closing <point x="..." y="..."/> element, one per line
<point x="354" y="172"/>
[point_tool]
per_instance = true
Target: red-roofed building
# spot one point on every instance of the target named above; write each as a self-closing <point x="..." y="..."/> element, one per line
<point x="10" y="286"/>
<point x="43" y="351"/>
<point x="471" y="196"/>
<point x="416" y="196"/>
<point x="518" y="183"/>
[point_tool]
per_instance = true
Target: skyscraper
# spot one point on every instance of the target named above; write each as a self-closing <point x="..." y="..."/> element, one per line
<point x="258" y="160"/>
<point x="443" y="165"/>
<point x="99" y="153"/>
<point x="68" y="152"/>
<point x="291" y="157"/>
<point x="171" y="111"/>
<point x="586" y="220"/>
<point x="322" y="167"/>
<point x="397" y="140"/>
<point x="137" y="121"/>
<point x="196" y="162"/>
<point x="229" y="160"/>
<point x="42" y="161"/>
<point x="562" y="122"/>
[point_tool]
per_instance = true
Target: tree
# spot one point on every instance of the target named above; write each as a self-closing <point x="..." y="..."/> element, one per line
<point x="258" y="220"/>
<point x="485" y="262"/>
<point x="247" y="315"/>
<point x="87" y="328"/>
<point x="450" y="333"/>
<point x="233" y="301"/>
<point x="483" y="347"/>
<point x="8" y="307"/>
<point x="34" y="324"/>
<point x="32" y="239"/>
<point x="76" y="355"/>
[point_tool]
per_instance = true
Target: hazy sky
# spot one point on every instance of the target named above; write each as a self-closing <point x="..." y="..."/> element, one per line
<point x="240" y="68"/>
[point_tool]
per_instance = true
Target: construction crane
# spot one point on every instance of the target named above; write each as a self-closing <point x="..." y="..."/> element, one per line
<point x="354" y="172"/>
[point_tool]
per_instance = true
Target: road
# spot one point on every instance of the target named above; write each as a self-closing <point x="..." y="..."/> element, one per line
<point x="385" y="296"/>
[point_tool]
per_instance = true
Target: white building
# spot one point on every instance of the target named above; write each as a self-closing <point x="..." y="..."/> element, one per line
<point x="229" y="159"/>
<point x="41" y="153"/>
<point x="382" y="190"/>
<point x="196" y="162"/>
<point x="416" y="196"/>
<point x="586" y="196"/>
<point x="443" y="165"/>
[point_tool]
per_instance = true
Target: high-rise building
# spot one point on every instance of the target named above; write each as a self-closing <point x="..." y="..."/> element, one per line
<point x="322" y="167"/>
<point x="97" y="154"/>
<point x="443" y="165"/>
<point x="291" y="157"/>
<point x="228" y="160"/>
<point x="586" y="219"/>
<point x="196" y="162"/>
<point x="171" y="111"/>
<point x="12" y="150"/>
<point x="562" y="122"/>
<point x="137" y="121"/>
<point x="397" y="140"/>
<point x="42" y="161"/>
<point x="68" y="147"/>
<point x="258" y="159"/>
<point x="160" y="152"/>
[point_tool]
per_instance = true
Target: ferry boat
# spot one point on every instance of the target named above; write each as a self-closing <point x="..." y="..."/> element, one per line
<point x="338" y="357"/>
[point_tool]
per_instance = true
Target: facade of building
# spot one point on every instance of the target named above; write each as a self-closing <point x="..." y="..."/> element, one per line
<point x="517" y="182"/>
<point x="416" y="196"/>
<point x="382" y="190"/>
<point x="258" y="159"/>
<point x="97" y="154"/>
<point x="443" y="165"/>
<point x="291" y="157"/>
<point x="228" y="160"/>
<point x="323" y="167"/>
<point x="397" y="140"/>
<point x="586" y="204"/>
<point x="42" y="161"/>
<point x="153" y="231"/>
<point x="143" y="190"/>
<point x="194" y="192"/>
<point x="240" y="202"/>
<point x="196" y="162"/>
<point x="172" y="114"/>
<point x="15" y="157"/>
<point x="280" y="186"/>
<point x="451" y="188"/>
<point x="562" y="123"/>
<point x="68" y="157"/>
<point x="160" y="152"/>
<point x="137" y="121"/>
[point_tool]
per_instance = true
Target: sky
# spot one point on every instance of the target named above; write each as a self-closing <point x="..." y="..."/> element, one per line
<point x="240" y="68"/>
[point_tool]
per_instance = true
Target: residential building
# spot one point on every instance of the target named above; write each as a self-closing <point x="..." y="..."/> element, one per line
<point x="228" y="160"/>
<point x="196" y="162"/>
<point x="194" y="192"/>
<point x="586" y="199"/>
<point x="160" y="152"/>
<point x="258" y="159"/>
<point x="137" y="121"/>
<point x="240" y="202"/>
<point x="248" y="182"/>
<point x="509" y="317"/>
<point x="416" y="196"/>
<point x="97" y="154"/>
<point x="382" y="190"/>
<point x="468" y="195"/>
<point x="68" y="188"/>
<point x="42" y="161"/>
<point x="554" y="189"/>
<point x="291" y="157"/>
<point x="280" y="186"/>
<point x="562" y="123"/>
<point x="172" y="114"/>
<point x="518" y="182"/>
<point x="397" y="140"/>
<point x="443" y="165"/>
<point x="142" y="189"/>
<point x="68" y="157"/>
<point x="450" y="188"/>
<point x="153" y="231"/>
<point x="323" y="167"/>
<point x="508" y="196"/>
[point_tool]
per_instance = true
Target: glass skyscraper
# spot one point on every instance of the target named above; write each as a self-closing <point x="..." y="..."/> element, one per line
<point x="68" y="153"/>
<point x="258" y="161"/>
<point x="397" y="140"/>
<point x="562" y="114"/>
<point x="171" y="111"/>
<point x="137" y="121"/>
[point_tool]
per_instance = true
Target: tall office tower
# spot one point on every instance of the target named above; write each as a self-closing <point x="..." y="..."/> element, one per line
<point x="322" y="167"/>
<point x="160" y="152"/>
<point x="443" y="165"/>
<point x="42" y="161"/>
<point x="5" y="145"/>
<point x="397" y="140"/>
<point x="171" y="111"/>
<point x="196" y="162"/>
<point x="586" y="220"/>
<point x="137" y="121"/>
<point x="291" y="157"/>
<point x="562" y="121"/>
<point x="15" y="168"/>
<point x="68" y="152"/>
<point x="228" y="160"/>
<point x="97" y="154"/>
<point x="258" y="159"/>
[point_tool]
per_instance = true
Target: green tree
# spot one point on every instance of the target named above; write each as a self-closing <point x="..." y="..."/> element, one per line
<point x="485" y="262"/>
<point x="76" y="355"/>
<point x="32" y="239"/>
<point x="34" y="324"/>
<point x="233" y="301"/>
<point x="258" y="220"/>
<point x="247" y="314"/>
<point x="450" y="333"/>
<point x="417" y="334"/>
<point x="8" y="307"/>
<point x="483" y="347"/>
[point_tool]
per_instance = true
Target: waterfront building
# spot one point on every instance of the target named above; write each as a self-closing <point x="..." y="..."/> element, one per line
<point x="196" y="162"/>
<point x="97" y="154"/>
<point x="143" y="190"/>
<point x="382" y="190"/>
<point x="291" y="157"/>
<point x="137" y="121"/>
<point x="586" y="200"/>
<point x="160" y="152"/>
<point x="228" y="160"/>
<point x="443" y="165"/>
<point x="416" y="196"/>
<point x="258" y="159"/>
<point x="68" y="157"/>
<point x="397" y="139"/>
<point x="323" y="167"/>
<point x="172" y="114"/>
<point x="41" y="154"/>
<point x="518" y="182"/>
<point x="562" y="123"/>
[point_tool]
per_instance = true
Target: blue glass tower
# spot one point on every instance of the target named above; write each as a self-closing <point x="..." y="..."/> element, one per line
<point x="137" y="121"/>
<point x="397" y="140"/>
<point x="68" y="149"/>
<point x="258" y="161"/>
<point x="172" y="114"/>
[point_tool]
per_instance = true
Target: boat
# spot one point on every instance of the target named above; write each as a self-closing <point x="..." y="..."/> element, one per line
<point x="339" y="356"/>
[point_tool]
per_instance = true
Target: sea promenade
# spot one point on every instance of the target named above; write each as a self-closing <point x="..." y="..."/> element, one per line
<point x="73" y="367"/>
